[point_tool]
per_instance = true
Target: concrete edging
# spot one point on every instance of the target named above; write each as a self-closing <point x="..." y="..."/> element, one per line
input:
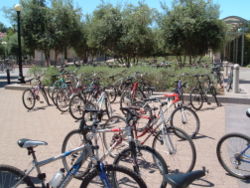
<point x="240" y="99"/>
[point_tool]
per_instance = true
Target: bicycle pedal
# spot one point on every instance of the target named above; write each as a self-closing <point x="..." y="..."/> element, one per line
<point x="209" y="103"/>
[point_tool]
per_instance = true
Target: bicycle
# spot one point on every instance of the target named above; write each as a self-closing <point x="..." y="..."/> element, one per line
<point x="109" y="175"/>
<point x="145" y="161"/>
<point x="171" y="142"/>
<point x="31" y="95"/>
<point x="198" y="94"/>
<point x="133" y="91"/>
<point x="216" y="71"/>
<point x="93" y="96"/>
<point x="178" y="114"/>
<point x="233" y="153"/>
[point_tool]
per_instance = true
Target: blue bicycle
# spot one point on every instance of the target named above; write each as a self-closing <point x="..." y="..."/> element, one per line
<point x="100" y="175"/>
<point x="233" y="152"/>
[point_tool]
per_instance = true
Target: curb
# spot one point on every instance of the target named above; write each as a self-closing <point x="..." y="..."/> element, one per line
<point x="236" y="99"/>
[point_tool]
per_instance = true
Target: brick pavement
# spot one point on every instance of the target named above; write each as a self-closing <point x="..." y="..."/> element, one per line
<point x="48" y="124"/>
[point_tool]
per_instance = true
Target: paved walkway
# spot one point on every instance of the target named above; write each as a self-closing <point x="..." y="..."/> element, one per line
<point x="47" y="123"/>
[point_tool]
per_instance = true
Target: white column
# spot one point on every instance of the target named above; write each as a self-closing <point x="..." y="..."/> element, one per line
<point x="236" y="71"/>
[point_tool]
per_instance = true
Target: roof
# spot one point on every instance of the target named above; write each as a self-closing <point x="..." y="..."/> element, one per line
<point x="235" y="21"/>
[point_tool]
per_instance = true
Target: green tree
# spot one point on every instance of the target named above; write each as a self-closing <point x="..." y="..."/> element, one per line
<point x="3" y="28"/>
<point x="192" y="27"/>
<point x="67" y="25"/>
<point x="105" y="29"/>
<point x="37" y="29"/>
<point x="137" y="38"/>
<point x="122" y="33"/>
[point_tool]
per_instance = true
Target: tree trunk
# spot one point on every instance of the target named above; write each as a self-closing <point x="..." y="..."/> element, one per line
<point x="47" y="59"/>
<point x="65" y="55"/>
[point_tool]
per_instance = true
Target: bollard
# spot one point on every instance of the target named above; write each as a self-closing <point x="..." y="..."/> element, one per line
<point x="8" y="75"/>
<point x="236" y="71"/>
<point x="226" y="64"/>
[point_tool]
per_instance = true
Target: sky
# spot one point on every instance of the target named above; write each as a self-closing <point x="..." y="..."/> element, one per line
<point x="239" y="8"/>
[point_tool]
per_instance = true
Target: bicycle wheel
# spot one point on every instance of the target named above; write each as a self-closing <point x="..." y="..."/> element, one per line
<point x="118" y="176"/>
<point x="29" y="99"/>
<point x="221" y="80"/>
<point x="50" y="91"/>
<point x="88" y="117"/>
<point x="196" y="99"/>
<point x="112" y="93"/>
<point x="233" y="151"/>
<point x="152" y="166"/>
<point x="54" y="94"/>
<point x="125" y="100"/>
<point x="186" y="119"/>
<point x="229" y="83"/>
<point x="44" y="94"/>
<point x="73" y="140"/>
<point x="76" y="107"/>
<point x="62" y="100"/>
<point x="10" y="176"/>
<point x="108" y="107"/>
<point x="109" y="138"/>
<point x="180" y="154"/>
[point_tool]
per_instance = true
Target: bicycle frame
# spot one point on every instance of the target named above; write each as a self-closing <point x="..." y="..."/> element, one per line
<point x="86" y="152"/>
<point x="243" y="157"/>
<point x="160" y="122"/>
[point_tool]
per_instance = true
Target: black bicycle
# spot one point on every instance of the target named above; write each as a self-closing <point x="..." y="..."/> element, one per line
<point x="198" y="94"/>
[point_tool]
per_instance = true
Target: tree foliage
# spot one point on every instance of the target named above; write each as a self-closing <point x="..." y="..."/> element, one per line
<point x="127" y="33"/>
<point x="191" y="28"/>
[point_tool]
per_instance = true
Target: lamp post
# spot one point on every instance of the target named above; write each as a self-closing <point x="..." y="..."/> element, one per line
<point x="18" y="9"/>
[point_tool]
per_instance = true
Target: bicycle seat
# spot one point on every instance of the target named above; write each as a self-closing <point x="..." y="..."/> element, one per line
<point x="27" y="143"/>
<point x="181" y="180"/>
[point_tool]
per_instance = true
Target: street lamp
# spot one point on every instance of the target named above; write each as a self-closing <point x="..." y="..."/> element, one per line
<point x="18" y="9"/>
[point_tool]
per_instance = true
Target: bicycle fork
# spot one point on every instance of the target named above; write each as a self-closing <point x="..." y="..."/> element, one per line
<point x="168" y="144"/>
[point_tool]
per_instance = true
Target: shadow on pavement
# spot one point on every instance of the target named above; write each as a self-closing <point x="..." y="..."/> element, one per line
<point x="208" y="108"/>
<point x="203" y="183"/>
<point x="199" y="136"/>
<point x="4" y="83"/>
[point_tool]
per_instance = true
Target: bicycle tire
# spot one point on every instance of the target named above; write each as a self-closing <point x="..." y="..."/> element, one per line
<point x="112" y="94"/>
<point x="44" y="94"/>
<point x="196" y="99"/>
<point x="184" y="158"/>
<point x="233" y="154"/>
<point x="229" y="83"/>
<point x="125" y="100"/>
<point x="62" y="100"/>
<point x="221" y="80"/>
<point x="108" y="107"/>
<point x="10" y="175"/>
<point x="76" y="107"/>
<point x="73" y="140"/>
<point x="151" y="165"/>
<point x="31" y="98"/>
<point x="54" y="94"/>
<point x="110" y="137"/>
<point x="113" y="171"/>
<point x="187" y="121"/>
<point x="50" y="91"/>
